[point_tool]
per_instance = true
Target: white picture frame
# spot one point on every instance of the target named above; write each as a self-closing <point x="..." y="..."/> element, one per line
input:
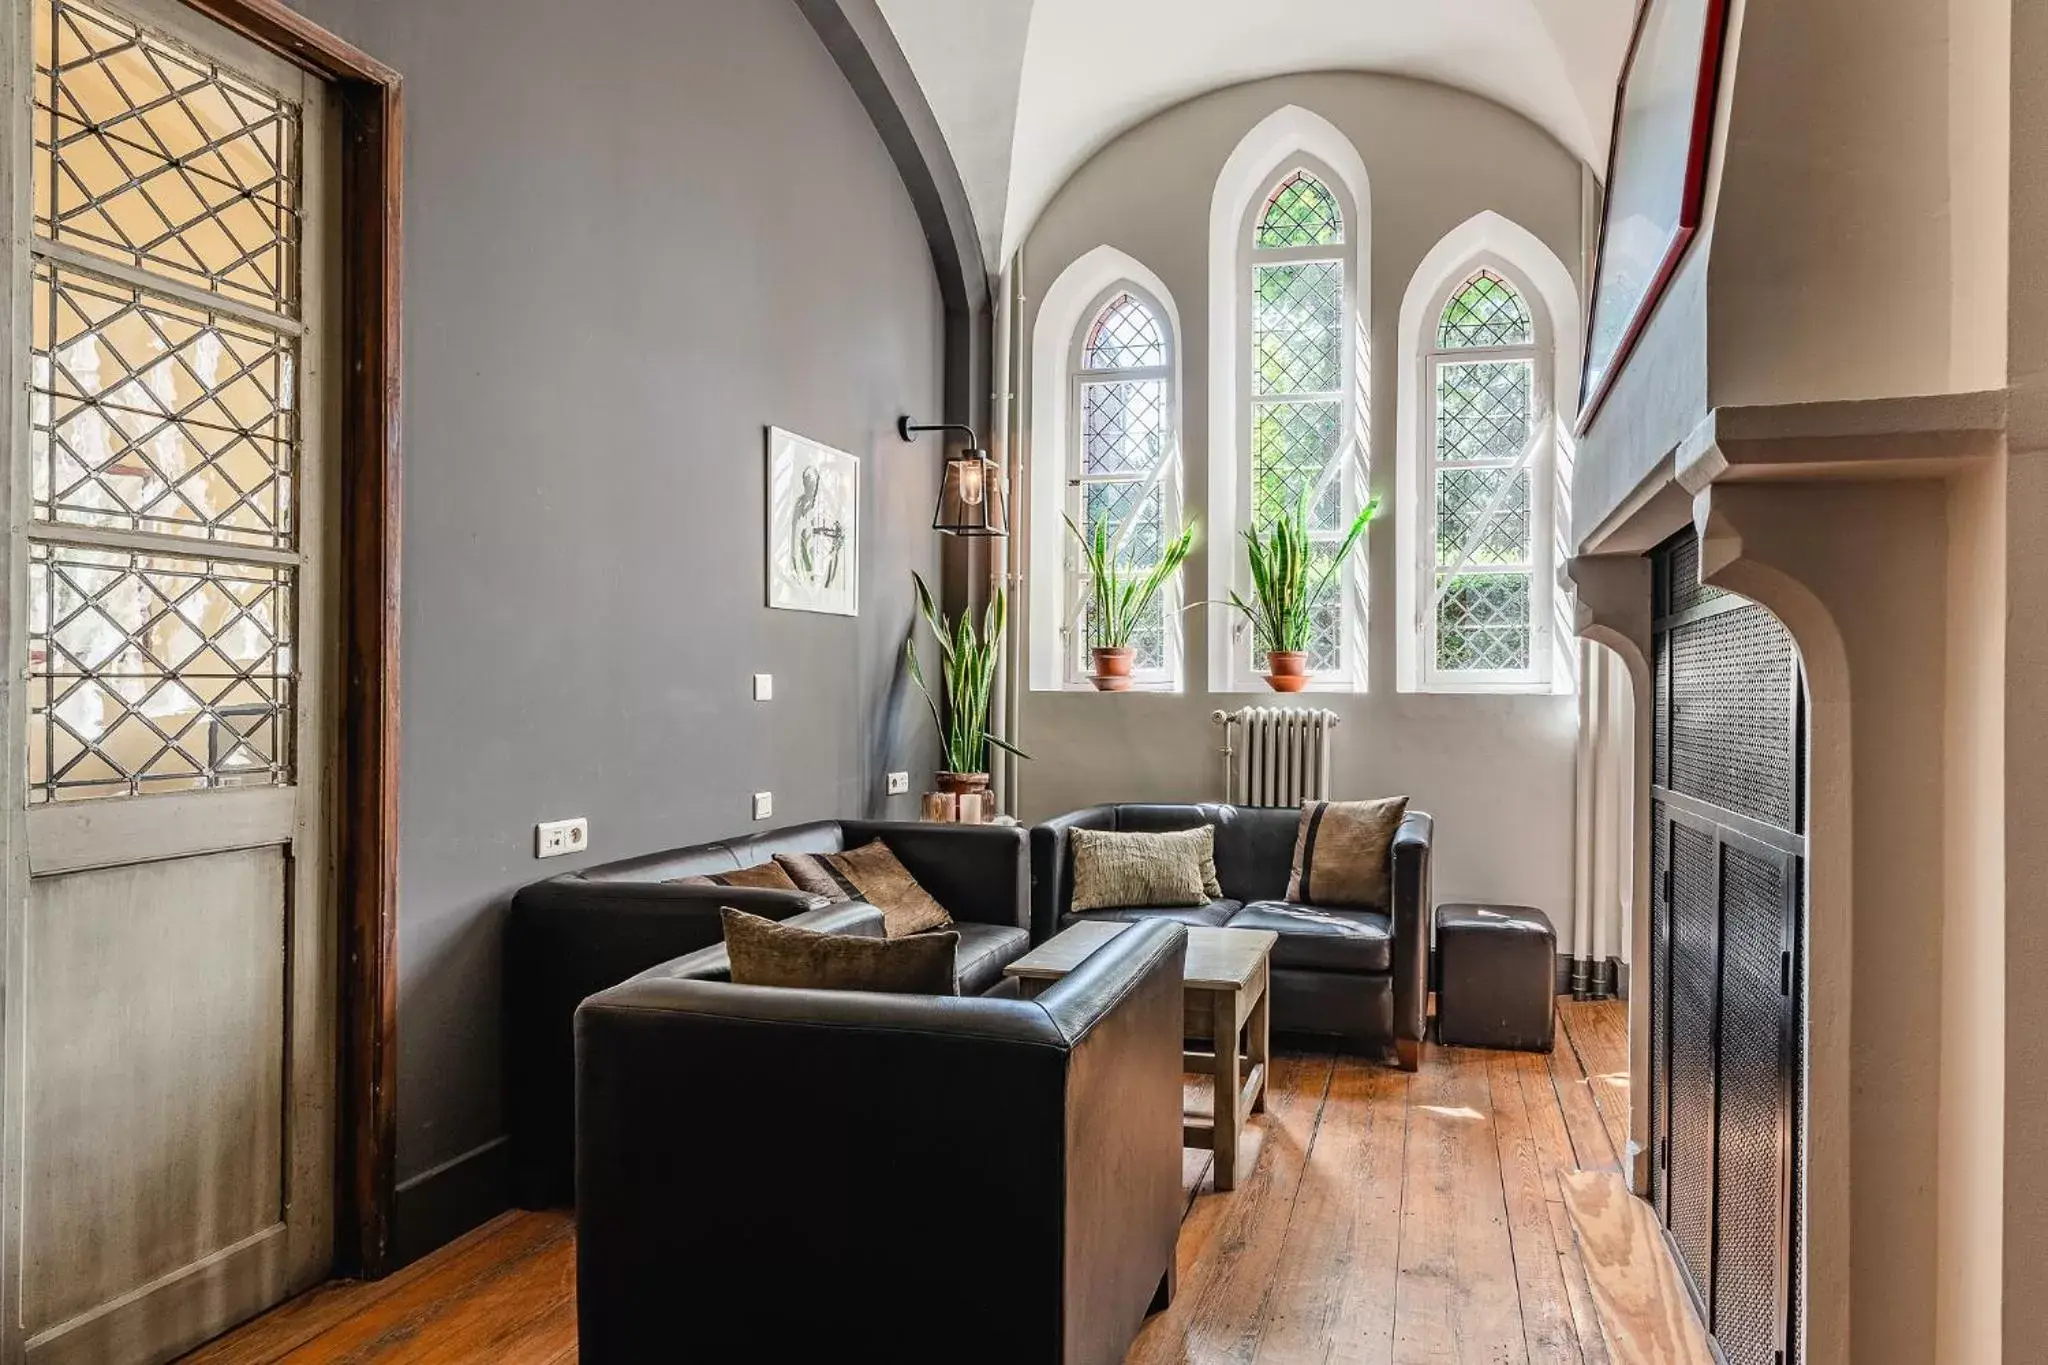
<point x="813" y="531"/>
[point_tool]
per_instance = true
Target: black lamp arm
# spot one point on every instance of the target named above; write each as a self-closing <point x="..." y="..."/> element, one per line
<point x="910" y="430"/>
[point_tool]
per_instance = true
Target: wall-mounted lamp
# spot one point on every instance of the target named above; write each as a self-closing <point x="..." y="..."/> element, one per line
<point x="971" y="497"/>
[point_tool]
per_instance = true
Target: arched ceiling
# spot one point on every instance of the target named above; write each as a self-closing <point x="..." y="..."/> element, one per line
<point x="1028" y="90"/>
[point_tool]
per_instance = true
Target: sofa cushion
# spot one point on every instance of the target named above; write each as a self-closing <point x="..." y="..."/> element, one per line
<point x="870" y="873"/>
<point x="1323" y="938"/>
<point x="1340" y="854"/>
<point x="1211" y="916"/>
<point x="985" y="949"/>
<point x="765" y="953"/>
<point x="769" y="876"/>
<point x="1113" y="870"/>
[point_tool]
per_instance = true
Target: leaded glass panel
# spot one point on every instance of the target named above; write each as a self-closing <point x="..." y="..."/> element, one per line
<point x="1462" y="499"/>
<point x="1126" y="336"/>
<point x="155" y="673"/>
<point x="1297" y="327"/>
<point x="1135" y="511"/>
<point x="1294" y="449"/>
<point x="1124" y="427"/>
<point x="157" y="157"/>
<point x="1301" y="211"/>
<point x="148" y="414"/>
<point x="1483" y="623"/>
<point x="1485" y="410"/>
<point x="1486" y="312"/>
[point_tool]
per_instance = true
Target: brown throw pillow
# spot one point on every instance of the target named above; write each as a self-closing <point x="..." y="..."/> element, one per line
<point x="768" y="876"/>
<point x="1340" y="851"/>
<point x="1115" y="871"/>
<point x="764" y="953"/>
<point x="869" y="873"/>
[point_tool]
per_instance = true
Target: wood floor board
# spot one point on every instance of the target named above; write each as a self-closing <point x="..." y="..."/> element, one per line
<point x="1380" y="1217"/>
<point x="1643" y="1305"/>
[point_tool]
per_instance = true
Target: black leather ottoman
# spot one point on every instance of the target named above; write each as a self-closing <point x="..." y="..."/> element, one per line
<point x="1496" y="977"/>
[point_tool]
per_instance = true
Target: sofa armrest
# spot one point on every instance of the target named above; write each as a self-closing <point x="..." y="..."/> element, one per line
<point x="567" y="938"/>
<point x="980" y="873"/>
<point x="1409" y="908"/>
<point x="1052" y="866"/>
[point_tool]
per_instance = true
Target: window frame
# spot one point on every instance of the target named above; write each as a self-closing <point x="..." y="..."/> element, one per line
<point x="1075" y="655"/>
<point x="1240" y="672"/>
<point x="1540" y="460"/>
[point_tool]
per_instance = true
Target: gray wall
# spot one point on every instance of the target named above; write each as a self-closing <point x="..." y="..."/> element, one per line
<point x="1496" y="771"/>
<point x="637" y="232"/>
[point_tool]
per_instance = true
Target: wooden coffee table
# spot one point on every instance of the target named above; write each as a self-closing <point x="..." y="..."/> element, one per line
<point x="1225" y="1000"/>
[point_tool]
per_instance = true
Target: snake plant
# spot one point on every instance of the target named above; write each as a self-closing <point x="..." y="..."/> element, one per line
<point x="1286" y="588"/>
<point x="1121" y="593"/>
<point x="967" y="661"/>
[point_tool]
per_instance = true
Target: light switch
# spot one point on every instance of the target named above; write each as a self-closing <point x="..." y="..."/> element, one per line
<point x="764" y="687"/>
<point x="764" y="805"/>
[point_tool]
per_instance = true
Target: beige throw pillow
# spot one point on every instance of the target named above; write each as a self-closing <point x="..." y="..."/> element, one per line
<point x="873" y="874"/>
<point x="1115" y="871"/>
<point x="764" y="953"/>
<point x="1341" y="850"/>
<point x="768" y="876"/>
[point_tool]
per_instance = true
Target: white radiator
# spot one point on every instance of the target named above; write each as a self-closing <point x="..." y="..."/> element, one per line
<point x="1277" y="755"/>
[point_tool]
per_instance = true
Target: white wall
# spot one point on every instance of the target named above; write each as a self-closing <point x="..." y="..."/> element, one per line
<point x="1497" y="772"/>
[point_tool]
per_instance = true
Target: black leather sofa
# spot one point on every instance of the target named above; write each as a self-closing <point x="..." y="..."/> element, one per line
<point x="571" y="936"/>
<point x="1362" y="974"/>
<point x="788" y="1175"/>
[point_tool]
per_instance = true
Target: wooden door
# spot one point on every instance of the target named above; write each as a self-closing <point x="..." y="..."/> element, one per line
<point x="171" y="960"/>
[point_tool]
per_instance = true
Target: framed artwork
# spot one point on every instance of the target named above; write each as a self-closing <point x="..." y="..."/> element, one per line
<point x="813" y="526"/>
<point x="1656" y="177"/>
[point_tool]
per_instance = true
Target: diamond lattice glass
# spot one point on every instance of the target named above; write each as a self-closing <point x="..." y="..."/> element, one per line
<point x="150" y="415"/>
<point x="1462" y="499"/>
<point x="1297" y="327"/>
<point x="1301" y="211"/>
<point x="1123" y="426"/>
<point x="1294" y="450"/>
<point x="1484" y="410"/>
<point x="157" y="157"/>
<point x="1126" y="336"/>
<point x="1485" y="312"/>
<point x="155" y="673"/>
<point x="1482" y="623"/>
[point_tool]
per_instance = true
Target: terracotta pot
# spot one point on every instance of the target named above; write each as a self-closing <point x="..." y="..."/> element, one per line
<point x="963" y="784"/>
<point x="1287" y="670"/>
<point x="1112" y="669"/>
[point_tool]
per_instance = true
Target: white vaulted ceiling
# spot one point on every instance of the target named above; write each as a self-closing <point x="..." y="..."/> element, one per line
<point x="1027" y="90"/>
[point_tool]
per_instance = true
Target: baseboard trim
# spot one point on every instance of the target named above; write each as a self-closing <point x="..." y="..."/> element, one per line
<point x="438" y="1205"/>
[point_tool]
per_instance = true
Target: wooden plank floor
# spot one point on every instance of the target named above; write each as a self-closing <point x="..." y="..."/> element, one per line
<point x="1383" y="1218"/>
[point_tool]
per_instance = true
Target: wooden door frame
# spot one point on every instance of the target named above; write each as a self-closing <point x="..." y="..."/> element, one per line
<point x="372" y="138"/>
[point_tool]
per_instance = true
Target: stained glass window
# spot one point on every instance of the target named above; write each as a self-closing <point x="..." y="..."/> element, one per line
<point x="1483" y="460"/>
<point x="1300" y="211"/>
<point x="1299" y="425"/>
<point x="1125" y="456"/>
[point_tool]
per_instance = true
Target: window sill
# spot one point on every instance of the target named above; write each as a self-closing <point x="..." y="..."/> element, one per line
<point x="1487" y="689"/>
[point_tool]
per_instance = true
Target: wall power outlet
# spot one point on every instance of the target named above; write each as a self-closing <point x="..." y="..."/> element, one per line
<point x="553" y="838"/>
<point x="897" y="784"/>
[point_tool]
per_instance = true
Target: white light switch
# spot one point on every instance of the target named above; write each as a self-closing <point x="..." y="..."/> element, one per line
<point x="764" y="805"/>
<point x="553" y="838"/>
<point x="764" y="687"/>
<point x="899" y="783"/>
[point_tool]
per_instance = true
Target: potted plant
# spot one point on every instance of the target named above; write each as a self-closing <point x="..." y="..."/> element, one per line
<point x="968" y="670"/>
<point x="1120" y="595"/>
<point x="1286" y="589"/>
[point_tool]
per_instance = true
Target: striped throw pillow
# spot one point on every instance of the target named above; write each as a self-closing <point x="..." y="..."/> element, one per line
<point x="1115" y="871"/>
<point x="873" y="874"/>
<point x="1341" y="850"/>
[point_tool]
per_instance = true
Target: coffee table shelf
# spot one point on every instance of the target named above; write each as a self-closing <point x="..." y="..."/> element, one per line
<point x="1225" y="999"/>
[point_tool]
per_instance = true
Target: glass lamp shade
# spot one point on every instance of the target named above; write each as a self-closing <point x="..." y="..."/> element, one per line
<point x="971" y="499"/>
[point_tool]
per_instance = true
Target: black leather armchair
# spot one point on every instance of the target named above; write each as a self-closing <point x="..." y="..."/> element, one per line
<point x="1359" y="973"/>
<point x="574" y="935"/>
<point x="768" y="1174"/>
